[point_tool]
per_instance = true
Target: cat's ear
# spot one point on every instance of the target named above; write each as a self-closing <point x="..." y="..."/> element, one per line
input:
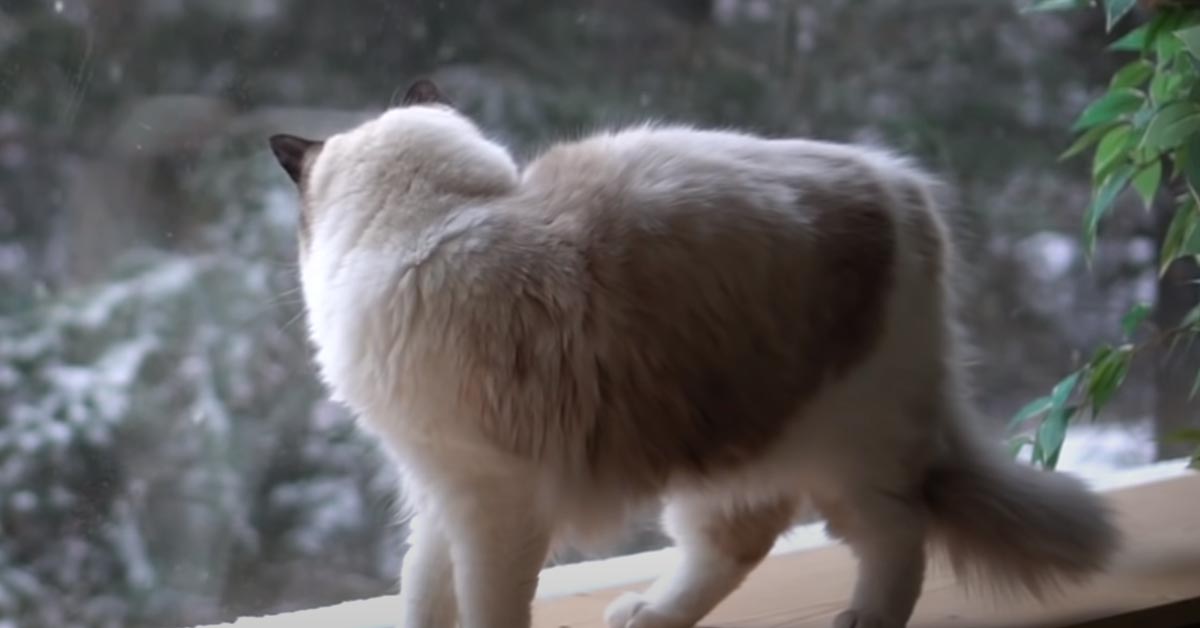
<point x="292" y="153"/>
<point x="424" y="92"/>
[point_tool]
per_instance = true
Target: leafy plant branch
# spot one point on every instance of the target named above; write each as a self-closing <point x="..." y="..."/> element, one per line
<point x="1144" y="134"/>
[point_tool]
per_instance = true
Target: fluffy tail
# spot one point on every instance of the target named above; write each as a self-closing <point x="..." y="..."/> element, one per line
<point x="1016" y="527"/>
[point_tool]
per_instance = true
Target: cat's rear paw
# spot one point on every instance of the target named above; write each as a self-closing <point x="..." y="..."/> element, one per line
<point x="631" y="610"/>
<point x="860" y="619"/>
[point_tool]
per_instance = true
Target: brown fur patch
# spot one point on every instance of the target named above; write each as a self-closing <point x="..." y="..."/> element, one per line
<point x="633" y="353"/>
<point x="858" y="244"/>
<point x="747" y="533"/>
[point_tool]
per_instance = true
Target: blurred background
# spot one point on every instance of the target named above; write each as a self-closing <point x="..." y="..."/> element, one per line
<point x="166" y="453"/>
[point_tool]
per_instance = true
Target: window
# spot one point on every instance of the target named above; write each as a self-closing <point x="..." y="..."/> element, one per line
<point x="167" y="454"/>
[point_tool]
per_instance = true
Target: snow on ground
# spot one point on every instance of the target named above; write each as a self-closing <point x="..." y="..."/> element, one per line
<point x="1093" y="450"/>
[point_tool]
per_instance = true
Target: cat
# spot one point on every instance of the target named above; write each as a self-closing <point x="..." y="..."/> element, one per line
<point x="744" y="328"/>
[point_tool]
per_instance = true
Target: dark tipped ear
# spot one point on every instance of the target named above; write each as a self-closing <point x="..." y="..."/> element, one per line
<point x="424" y="92"/>
<point x="291" y="152"/>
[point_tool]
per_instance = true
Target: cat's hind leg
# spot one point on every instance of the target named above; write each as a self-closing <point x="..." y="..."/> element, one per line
<point x="886" y="531"/>
<point x="720" y="543"/>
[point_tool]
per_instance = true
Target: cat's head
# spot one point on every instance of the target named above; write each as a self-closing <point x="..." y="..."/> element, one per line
<point x="410" y="158"/>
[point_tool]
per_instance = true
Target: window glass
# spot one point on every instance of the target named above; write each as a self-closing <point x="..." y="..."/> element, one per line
<point x="167" y="453"/>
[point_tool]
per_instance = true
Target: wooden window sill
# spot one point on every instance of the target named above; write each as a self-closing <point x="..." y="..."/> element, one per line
<point x="1154" y="582"/>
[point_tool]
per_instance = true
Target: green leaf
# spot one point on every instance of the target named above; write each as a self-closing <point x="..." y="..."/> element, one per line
<point x="1114" y="10"/>
<point x="1133" y="74"/>
<point x="1164" y="85"/>
<point x="1051" y="434"/>
<point x="1031" y="409"/>
<point x="1173" y="123"/>
<point x="1180" y="233"/>
<point x="1191" y="39"/>
<point x="1133" y="41"/>
<point x="1111" y="151"/>
<point x="1133" y="318"/>
<point x="1189" y="164"/>
<point x="1146" y="182"/>
<point x="1087" y="139"/>
<point x="1102" y="201"/>
<point x="1109" y="107"/>
<point x="1165" y="49"/>
<point x="1162" y="21"/>
<point x="1184" y="128"/>
<point x="1053" y="430"/>
<point x="1142" y="117"/>
<point x="1055" y="5"/>
<point x="1062" y="390"/>
<point x="1107" y="373"/>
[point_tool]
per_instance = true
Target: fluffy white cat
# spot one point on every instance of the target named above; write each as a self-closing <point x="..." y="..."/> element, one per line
<point x="741" y="327"/>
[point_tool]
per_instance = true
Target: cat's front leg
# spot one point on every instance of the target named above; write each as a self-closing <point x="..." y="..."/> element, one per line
<point x="499" y="540"/>
<point x="426" y="577"/>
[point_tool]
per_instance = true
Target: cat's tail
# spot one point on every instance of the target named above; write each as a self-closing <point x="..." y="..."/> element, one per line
<point x="1014" y="527"/>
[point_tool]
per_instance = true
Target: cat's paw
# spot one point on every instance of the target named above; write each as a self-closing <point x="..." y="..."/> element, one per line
<point x="631" y="610"/>
<point x="623" y="609"/>
<point x="860" y="619"/>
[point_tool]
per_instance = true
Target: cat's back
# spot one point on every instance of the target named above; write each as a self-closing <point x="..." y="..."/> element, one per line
<point x="718" y="279"/>
<point x="646" y="168"/>
<point x="649" y="173"/>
